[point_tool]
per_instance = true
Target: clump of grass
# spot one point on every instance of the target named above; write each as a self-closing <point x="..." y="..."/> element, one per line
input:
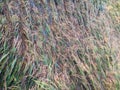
<point x="57" y="45"/>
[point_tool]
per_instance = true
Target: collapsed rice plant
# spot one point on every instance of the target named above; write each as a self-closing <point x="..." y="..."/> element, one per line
<point x="58" y="45"/>
<point x="114" y="7"/>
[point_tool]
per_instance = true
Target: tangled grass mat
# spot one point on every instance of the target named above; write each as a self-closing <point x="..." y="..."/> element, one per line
<point x="59" y="45"/>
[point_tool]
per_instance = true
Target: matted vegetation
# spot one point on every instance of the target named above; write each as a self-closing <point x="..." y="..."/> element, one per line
<point x="58" y="45"/>
<point x="114" y="11"/>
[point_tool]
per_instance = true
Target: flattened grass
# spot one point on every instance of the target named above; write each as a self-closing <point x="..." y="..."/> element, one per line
<point x="56" y="45"/>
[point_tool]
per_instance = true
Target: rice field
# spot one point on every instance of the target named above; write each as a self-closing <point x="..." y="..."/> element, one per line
<point x="59" y="44"/>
